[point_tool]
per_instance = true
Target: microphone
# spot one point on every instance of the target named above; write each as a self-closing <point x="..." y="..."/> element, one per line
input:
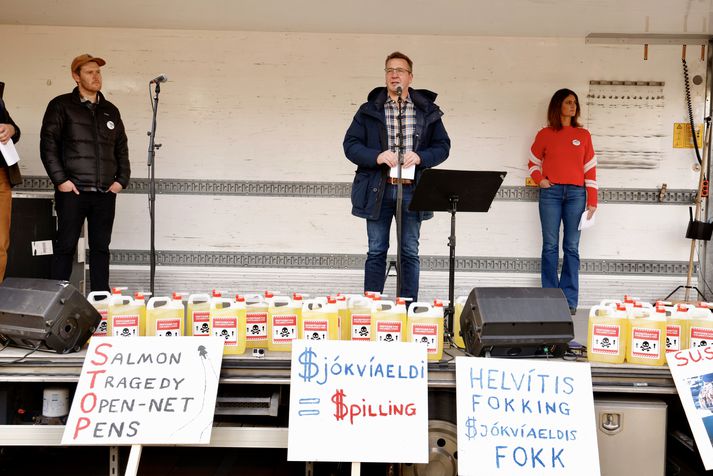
<point x="399" y="90"/>
<point x="161" y="78"/>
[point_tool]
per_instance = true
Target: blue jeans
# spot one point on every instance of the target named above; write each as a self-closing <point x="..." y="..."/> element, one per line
<point x="565" y="204"/>
<point x="378" y="232"/>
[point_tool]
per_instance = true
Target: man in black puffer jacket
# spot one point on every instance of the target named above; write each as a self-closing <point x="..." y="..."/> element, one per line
<point x="84" y="150"/>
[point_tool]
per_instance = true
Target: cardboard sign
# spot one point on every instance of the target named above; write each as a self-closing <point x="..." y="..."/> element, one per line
<point x="525" y="417"/>
<point x="146" y="390"/>
<point x="692" y="371"/>
<point x="358" y="402"/>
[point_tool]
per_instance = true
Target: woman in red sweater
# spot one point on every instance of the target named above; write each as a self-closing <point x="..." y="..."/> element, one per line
<point x="563" y="164"/>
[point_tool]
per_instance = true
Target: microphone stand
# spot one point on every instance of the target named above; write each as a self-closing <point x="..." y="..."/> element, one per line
<point x="399" y="196"/>
<point x="153" y="147"/>
<point x="450" y="310"/>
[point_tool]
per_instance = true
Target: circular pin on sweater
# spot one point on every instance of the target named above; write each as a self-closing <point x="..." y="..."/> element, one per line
<point x="110" y="125"/>
<point x="575" y="142"/>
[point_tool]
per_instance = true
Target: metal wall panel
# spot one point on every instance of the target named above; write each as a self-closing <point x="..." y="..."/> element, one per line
<point x="252" y="123"/>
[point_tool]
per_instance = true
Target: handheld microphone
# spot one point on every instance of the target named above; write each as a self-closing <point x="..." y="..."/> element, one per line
<point x="399" y="90"/>
<point x="161" y="78"/>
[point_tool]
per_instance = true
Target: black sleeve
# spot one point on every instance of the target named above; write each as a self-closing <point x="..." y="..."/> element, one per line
<point x="121" y="152"/>
<point x="51" y="143"/>
<point x="6" y="119"/>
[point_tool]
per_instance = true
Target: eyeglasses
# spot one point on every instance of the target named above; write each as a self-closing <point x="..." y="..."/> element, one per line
<point x="396" y="70"/>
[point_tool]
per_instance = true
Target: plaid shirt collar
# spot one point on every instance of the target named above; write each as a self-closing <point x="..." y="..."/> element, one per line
<point x="391" y="101"/>
<point x="391" y="111"/>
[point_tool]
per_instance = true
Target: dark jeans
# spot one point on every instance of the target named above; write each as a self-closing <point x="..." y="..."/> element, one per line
<point x="561" y="204"/>
<point x="72" y="209"/>
<point x="378" y="232"/>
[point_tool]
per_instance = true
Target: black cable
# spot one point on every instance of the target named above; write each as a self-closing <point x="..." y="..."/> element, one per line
<point x="18" y="360"/>
<point x="575" y="354"/>
<point x="687" y="86"/>
<point x="702" y="276"/>
<point x="453" y="343"/>
<point x="445" y="361"/>
<point x="462" y="349"/>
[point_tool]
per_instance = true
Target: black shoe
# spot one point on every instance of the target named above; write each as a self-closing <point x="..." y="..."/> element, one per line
<point x="573" y="310"/>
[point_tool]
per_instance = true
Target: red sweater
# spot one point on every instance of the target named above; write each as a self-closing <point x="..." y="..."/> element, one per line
<point x="565" y="157"/>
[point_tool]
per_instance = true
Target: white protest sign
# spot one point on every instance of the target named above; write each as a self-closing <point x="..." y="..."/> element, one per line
<point x="358" y="402"/>
<point x="525" y="417"/>
<point x="146" y="390"/>
<point x="692" y="371"/>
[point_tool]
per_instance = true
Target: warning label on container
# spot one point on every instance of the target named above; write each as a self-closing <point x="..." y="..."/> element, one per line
<point x="645" y="343"/>
<point x="700" y="337"/>
<point x="388" y="331"/>
<point x="426" y="334"/>
<point x="168" y="327"/>
<point x="673" y="338"/>
<point x="605" y="339"/>
<point x="315" y="329"/>
<point x="361" y="326"/>
<point x="125" y="326"/>
<point x="284" y="328"/>
<point x="256" y="326"/>
<point x="227" y="329"/>
<point x="201" y="323"/>
<point x="102" y="328"/>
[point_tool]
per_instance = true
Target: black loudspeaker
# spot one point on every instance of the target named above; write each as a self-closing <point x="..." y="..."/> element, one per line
<point x="33" y="225"/>
<point x="516" y="322"/>
<point x="45" y="314"/>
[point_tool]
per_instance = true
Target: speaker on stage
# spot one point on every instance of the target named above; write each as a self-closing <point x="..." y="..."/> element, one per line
<point x="516" y="322"/>
<point x="45" y="314"/>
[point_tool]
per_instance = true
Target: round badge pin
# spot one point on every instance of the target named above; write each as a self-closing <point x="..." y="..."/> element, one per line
<point x="576" y="142"/>
<point x="110" y="125"/>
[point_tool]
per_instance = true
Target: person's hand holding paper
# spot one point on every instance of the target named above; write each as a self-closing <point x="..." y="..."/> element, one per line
<point x="588" y="218"/>
<point x="408" y="169"/>
<point x="6" y="132"/>
<point x="7" y="147"/>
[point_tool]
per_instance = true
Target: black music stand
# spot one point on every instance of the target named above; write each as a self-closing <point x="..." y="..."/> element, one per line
<point x="441" y="190"/>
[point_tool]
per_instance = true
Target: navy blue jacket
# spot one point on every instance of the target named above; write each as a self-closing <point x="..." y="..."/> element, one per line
<point x="366" y="138"/>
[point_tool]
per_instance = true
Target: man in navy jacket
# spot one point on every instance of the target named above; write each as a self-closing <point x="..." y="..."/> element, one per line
<point x="371" y="142"/>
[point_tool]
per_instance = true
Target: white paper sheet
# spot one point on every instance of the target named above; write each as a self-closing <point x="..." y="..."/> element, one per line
<point x="584" y="223"/>
<point x="9" y="152"/>
<point x="406" y="173"/>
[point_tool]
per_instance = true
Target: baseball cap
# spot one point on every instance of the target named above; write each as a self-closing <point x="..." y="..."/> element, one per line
<point x="81" y="60"/>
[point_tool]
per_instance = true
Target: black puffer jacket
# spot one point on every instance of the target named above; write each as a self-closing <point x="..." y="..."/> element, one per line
<point x="86" y="146"/>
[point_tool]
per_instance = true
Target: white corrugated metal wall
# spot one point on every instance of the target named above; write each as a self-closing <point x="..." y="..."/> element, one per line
<point x="273" y="107"/>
